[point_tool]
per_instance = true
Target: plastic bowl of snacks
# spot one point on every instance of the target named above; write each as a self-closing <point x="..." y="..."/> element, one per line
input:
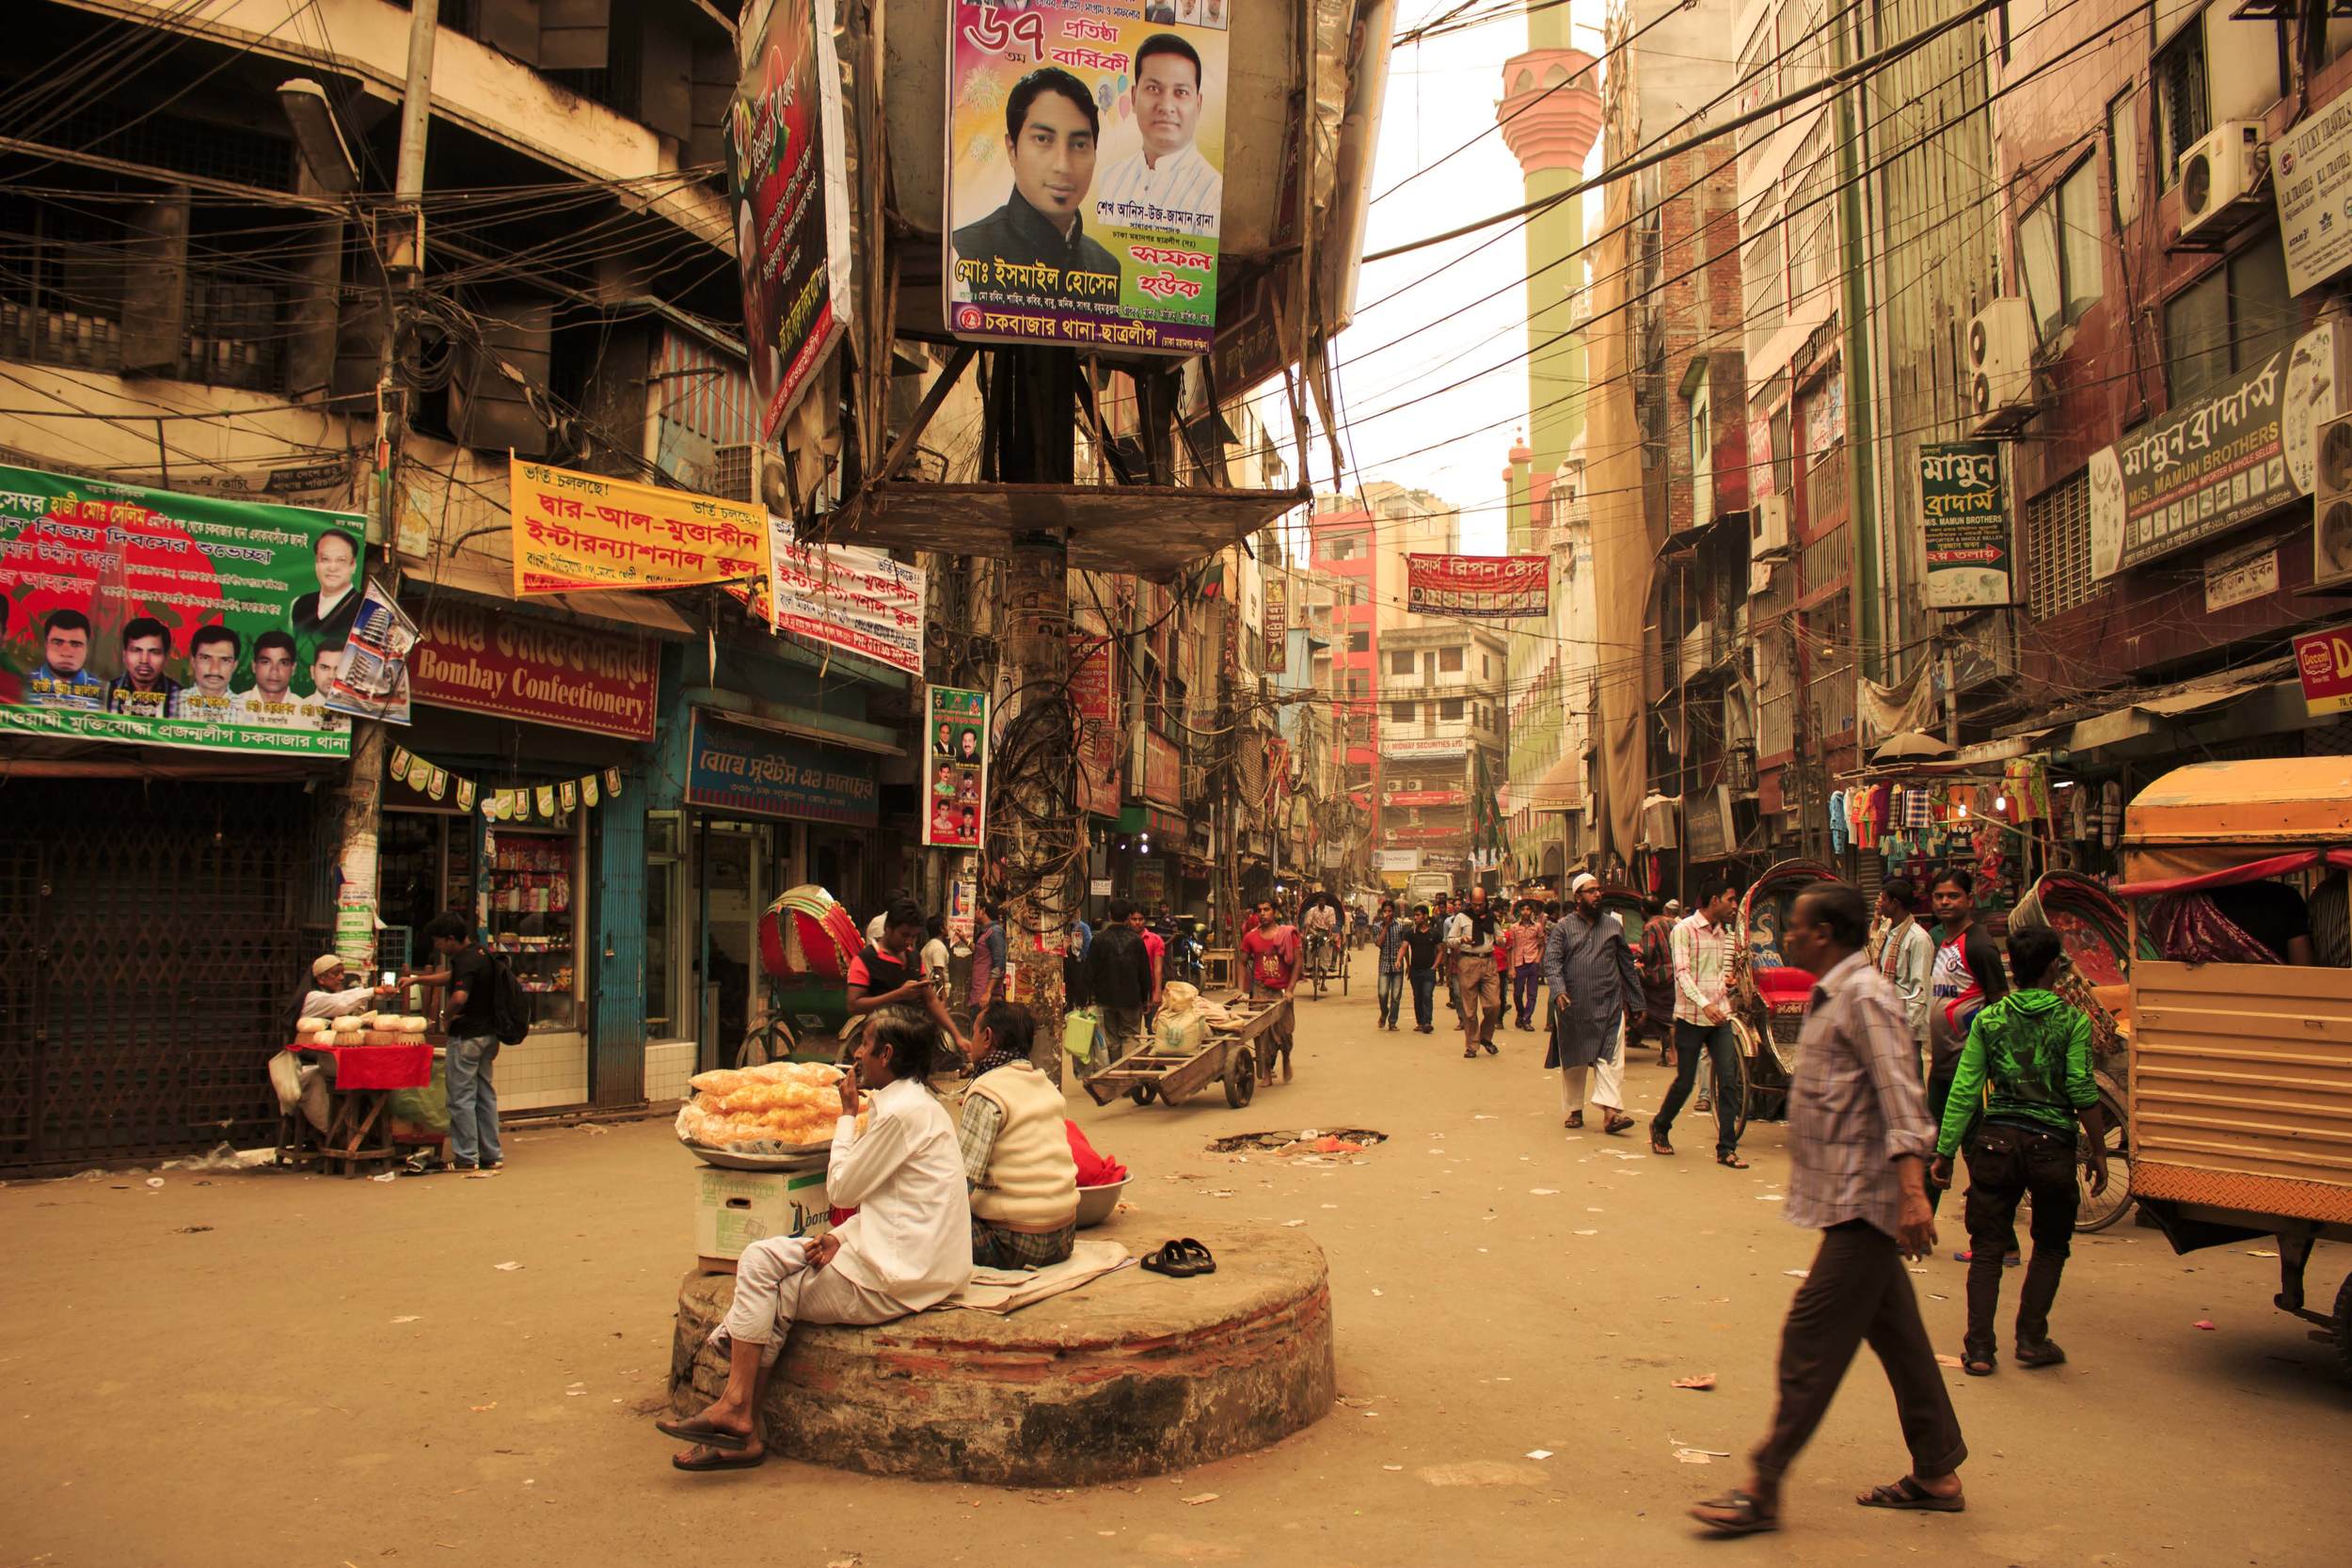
<point x="1096" y="1203"/>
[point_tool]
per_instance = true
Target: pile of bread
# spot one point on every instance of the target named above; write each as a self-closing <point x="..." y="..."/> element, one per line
<point x="775" y="1108"/>
<point x="361" y="1029"/>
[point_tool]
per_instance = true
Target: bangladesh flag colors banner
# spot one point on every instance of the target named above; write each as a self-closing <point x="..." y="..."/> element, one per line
<point x="142" y="615"/>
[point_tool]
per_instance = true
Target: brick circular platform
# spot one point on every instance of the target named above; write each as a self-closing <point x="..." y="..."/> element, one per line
<point x="1134" y="1374"/>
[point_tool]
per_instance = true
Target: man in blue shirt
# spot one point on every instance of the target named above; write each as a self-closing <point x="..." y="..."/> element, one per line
<point x="60" y="679"/>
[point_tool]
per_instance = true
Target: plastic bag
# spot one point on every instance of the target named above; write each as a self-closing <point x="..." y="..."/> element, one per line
<point x="1079" y="1031"/>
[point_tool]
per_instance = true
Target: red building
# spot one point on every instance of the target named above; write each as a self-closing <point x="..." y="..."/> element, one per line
<point x="2185" y="353"/>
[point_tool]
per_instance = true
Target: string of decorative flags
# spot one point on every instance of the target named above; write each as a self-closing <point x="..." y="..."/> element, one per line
<point x="535" y="803"/>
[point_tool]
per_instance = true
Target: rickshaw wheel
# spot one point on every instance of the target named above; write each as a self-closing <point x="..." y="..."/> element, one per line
<point x="1740" y="1096"/>
<point x="2343" y="1326"/>
<point x="1241" y="1077"/>
<point x="2097" y="1213"/>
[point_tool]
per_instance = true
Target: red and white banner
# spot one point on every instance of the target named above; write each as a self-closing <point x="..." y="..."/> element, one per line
<point x="1426" y="797"/>
<point x="1477" y="587"/>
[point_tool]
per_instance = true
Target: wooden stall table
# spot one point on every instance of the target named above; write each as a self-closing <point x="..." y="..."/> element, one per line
<point x="359" y="1127"/>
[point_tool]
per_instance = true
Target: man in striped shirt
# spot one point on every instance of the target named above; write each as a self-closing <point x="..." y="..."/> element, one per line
<point x="1701" y="943"/>
<point x="1170" y="183"/>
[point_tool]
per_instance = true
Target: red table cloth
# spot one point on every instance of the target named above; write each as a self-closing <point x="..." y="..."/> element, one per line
<point x="377" y="1066"/>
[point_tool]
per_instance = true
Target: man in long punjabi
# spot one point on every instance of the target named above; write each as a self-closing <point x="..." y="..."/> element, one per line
<point x="1596" y="990"/>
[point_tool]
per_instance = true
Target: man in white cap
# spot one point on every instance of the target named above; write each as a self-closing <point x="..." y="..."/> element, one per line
<point x="1596" y="991"/>
<point x="305" y="1084"/>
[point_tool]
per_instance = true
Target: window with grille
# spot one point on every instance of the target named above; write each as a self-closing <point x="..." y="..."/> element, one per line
<point x="1401" y="713"/>
<point x="1449" y="707"/>
<point x="2182" y="113"/>
<point x="1401" y="663"/>
<point x="1761" y="269"/>
<point x="2057" y="549"/>
<point x="1450" y="661"/>
<point x="1359" y="642"/>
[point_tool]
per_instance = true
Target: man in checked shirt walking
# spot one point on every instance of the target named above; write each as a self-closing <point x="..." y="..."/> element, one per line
<point x="1858" y="1138"/>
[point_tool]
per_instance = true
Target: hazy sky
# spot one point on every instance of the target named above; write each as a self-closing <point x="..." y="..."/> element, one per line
<point x="1410" y="336"/>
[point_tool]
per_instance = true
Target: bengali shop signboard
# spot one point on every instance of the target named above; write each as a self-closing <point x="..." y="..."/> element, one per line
<point x="140" y="615"/>
<point x="2324" y="660"/>
<point x="474" y="658"/>
<point x="788" y="191"/>
<point x="845" y="597"/>
<point x="575" y="532"/>
<point x="733" y="767"/>
<point x="1085" y="191"/>
<point x="1426" y="797"/>
<point x="1964" y="512"/>
<point x="2216" y="463"/>
<point x="1479" y="587"/>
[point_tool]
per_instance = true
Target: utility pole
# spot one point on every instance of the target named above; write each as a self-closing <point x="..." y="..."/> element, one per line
<point x="1035" y="392"/>
<point x="356" y="898"/>
<point x="1862" y="508"/>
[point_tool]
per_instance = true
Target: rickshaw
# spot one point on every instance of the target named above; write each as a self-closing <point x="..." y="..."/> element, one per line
<point x="2096" y="929"/>
<point x="2239" y="1065"/>
<point x="1767" y="995"/>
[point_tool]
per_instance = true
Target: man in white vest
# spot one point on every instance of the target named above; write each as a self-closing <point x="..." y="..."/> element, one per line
<point x="1016" y="1155"/>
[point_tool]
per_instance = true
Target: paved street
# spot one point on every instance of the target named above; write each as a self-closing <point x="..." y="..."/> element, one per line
<point x="283" y="1369"/>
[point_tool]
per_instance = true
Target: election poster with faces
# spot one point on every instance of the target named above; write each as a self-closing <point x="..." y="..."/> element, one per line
<point x="1086" y="152"/>
<point x="140" y="615"/>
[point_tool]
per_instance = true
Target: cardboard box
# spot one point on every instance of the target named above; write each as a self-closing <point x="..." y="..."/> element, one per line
<point x="733" y="1208"/>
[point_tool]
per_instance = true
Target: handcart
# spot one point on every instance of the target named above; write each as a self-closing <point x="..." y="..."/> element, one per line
<point x="1236" y="1052"/>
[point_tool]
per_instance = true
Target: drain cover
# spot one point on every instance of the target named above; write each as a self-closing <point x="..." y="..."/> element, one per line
<point x="1310" y="1140"/>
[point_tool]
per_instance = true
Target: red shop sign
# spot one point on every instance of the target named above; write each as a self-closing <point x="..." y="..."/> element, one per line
<point x="471" y="656"/>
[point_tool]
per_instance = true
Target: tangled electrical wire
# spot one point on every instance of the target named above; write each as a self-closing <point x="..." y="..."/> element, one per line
<point x="1034" y="844"/>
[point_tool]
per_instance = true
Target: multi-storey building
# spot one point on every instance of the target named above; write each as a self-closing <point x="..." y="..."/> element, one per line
<point x="1340" y="547"/>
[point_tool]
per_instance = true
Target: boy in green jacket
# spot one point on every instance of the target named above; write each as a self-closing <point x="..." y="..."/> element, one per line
<point x="2023" y="1082"/>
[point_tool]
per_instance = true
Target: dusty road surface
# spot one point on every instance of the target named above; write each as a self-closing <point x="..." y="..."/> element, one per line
<point x="288" y="1369"/>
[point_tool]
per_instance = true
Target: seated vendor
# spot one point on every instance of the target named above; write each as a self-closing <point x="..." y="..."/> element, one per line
<point x="305" y="1082"/>
<point x="1024" y="1183"/>
<point x="906" y="1248"/>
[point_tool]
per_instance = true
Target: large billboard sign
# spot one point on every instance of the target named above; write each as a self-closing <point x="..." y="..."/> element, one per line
<point x="140" y="615"/>
<point x="1086" y="150"/>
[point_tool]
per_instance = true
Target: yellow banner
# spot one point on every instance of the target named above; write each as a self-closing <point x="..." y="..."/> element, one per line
<point x="576" y="531"/>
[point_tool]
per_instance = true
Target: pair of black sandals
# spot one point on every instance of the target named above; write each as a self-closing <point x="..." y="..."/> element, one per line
<point x="1181" y="1260"/>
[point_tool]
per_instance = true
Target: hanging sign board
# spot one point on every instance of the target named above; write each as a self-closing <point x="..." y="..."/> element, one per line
<point x="576" y="532"/>
<point x="2310" y="173"/>
<point x="2324" y="660"/>
<point x="788" y="192"/>
<point x="736" y="768"/>
<point x="1963" y="513"/>
<point x="955" y="792"/>
<point x="1086" y="149"/>
<point x="1479" y="587"/>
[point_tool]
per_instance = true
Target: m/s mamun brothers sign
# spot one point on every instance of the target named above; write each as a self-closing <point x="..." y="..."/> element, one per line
<point x="516" y="669"/>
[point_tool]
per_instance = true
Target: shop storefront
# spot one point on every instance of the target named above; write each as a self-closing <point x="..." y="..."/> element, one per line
<point x="517" y="795"/>
<point x="759" y="810"/>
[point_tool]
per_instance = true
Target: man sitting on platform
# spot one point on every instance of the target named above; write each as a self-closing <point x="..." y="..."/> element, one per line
<point x="1016" y="1154"/>
<point x="908" y="1247"/>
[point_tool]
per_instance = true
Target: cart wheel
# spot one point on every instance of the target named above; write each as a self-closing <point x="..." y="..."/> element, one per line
<point x="1241" y="1078"/>
<point x="2343" y="1326"/>
<point x="1741" y="1095"/>
<point x="1141" y="1094"/>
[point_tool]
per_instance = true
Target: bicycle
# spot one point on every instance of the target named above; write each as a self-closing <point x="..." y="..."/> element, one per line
<point x="1319" y="950"/>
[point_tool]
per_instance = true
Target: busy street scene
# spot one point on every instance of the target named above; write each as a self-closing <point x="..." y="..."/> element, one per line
<point x="1175" y="782"/>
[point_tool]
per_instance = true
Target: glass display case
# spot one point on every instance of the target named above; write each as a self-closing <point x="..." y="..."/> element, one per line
<point x="535" y="908"/>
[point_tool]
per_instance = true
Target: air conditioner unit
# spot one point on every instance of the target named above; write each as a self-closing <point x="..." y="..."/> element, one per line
<point x="2000" y="365"/>
<point x="2331" y="505"/>
<point x="1772" y="530"/>
<point x="2220" y="174"/>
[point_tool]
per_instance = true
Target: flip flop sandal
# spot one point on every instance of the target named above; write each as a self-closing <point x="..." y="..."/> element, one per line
<point x="1469" y="1053"/>
<point x="1576" y="1121"/>
<point x="1731" y="1162"/>
<point x="1659" y="1145"/>
<point x="1908" y="1494"/>
<point x="2043" y="1355"/>
<point x="1171" y="1259"/>
<point x="720" y="1462"/>
<point x="1617" y="1124"/>
<point x="704" y="1434"/>
<point x="1978" y="1366"/>
<point x="1735" y="1514"/>
<point x="1201" y="1258"/>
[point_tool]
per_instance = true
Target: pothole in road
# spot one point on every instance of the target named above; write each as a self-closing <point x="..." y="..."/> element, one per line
<point x="1308" y="1140"/>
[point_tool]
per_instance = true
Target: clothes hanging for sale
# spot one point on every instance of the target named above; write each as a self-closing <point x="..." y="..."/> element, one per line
<point x="2078" y="813"/>
<point x="1838" y="823"/>
<point x="2110" y="812"/>
<point x="1919" y="807"/>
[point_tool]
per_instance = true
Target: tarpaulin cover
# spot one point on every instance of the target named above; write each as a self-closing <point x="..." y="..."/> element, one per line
<point x="2233" y="875"/>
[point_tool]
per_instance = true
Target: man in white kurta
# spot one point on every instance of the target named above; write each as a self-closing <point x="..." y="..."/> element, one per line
<point x="908" y="1247"/>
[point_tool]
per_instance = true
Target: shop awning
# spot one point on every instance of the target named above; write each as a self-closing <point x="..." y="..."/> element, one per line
<point x="799" y="722"/>
<point x="636" y="611"/>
